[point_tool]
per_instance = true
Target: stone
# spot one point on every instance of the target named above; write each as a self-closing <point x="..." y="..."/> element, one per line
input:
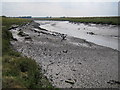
<point x="14" y="39"/>
<point x="65" y="51"/>
<point x="91" y="33"/>
<point x="63" y="36"/>
<point x="28" y="38"/>
<point x="22" y="34"/>
<point x="74" y="70"/>
<point x="79" y="63"/>
<point x="13" y="27"/>
<point x="70" y="81"/>
<point x="61" y="80"/>
<point x="113" y="82"/>
<point x="57" y="73"/>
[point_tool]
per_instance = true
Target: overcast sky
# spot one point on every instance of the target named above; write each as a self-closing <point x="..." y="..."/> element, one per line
<point x="60" y="8"/>
<point x="60" y="0"/>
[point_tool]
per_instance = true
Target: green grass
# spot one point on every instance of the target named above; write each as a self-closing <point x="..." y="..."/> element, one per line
<point x="23" y="72"/>
<point x="18" y="71"/>
<point x="97" y="20"/>
<point x="10" y="21"/>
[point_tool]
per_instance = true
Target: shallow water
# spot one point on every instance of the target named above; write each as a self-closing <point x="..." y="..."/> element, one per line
<point x="104" y="35"/>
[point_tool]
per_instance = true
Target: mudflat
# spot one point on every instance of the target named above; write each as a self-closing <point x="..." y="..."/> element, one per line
<point x="68" y="62"/>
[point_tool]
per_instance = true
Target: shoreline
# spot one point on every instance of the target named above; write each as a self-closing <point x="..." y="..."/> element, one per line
<point x="94" y="33"/>
<point x="67" y="62"/>
<point x="95" y="20"/>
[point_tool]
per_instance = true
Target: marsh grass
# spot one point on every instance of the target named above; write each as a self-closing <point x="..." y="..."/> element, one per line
<point x="96" y="20"/>
<point x="18" y="71"/>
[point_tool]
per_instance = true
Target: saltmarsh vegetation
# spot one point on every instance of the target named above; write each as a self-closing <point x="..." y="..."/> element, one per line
<point x="18" y="71"/>
<point x="96" y="20"/>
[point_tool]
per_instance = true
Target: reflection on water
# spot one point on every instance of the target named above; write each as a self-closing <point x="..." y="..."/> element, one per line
<point x="105" y="35"/>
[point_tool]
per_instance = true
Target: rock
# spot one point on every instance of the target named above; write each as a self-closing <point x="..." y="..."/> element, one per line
<point x="70" y="81"/>
<point x="43" y="29"/>
<point x="50" y="55"/>
<point x="51" y="79"/>
<point x="52" y="63"/>
<point x="61" y="80"/>
<point x="14" y="39"/>
<point x="22" y="34"/>
<point x="28" y="38"/>
<point x="35" y="31"/>
<point x="65" y="51"/>
<point x="79" y="63"/>
<point x="45" y="49"/>
<point x="63" y="36"/>
<point x="57" y="73"/>
<point x="113" y="82"/>
<point x="74" y="70"/>
<point x="44" y="32"/>
<point x="59" y="53"/>
<point x="20" y="29"/>
<point x="35" y="25"/>
<point x="53" y="24"/>
<point x="44" y="53"/>
<point x="90" y="33"/>
<point x="13" y="27"/>
<point x="58" y="61"/>
<point x="53" y="34"/>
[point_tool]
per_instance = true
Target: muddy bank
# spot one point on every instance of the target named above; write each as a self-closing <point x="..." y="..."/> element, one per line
<point x="68" y="62"/>
<point x="104" y="35"/>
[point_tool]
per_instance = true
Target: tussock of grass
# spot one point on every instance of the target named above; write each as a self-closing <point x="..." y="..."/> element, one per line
<point x="18" y="71"/>
<point x="23" y="71"/>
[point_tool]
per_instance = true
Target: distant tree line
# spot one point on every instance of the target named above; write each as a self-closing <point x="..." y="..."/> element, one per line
<point x="19" y="16"/>
<point x="24" y="17"/>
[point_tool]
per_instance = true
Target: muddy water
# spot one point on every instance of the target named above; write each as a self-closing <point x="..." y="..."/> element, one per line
<point x="104" y="35"/>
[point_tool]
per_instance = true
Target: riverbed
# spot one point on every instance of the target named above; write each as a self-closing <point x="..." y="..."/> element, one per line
<point x="104" y="35"/>
<point x="70" y="62"/>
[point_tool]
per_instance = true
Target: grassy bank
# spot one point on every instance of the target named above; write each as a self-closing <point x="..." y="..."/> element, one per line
<point x="97" y="20"/>
<point x="18" y="71"/>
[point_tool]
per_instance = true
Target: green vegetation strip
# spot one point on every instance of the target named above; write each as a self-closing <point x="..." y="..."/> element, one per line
<point x="18" y="71"/>
<point x="96" y="20"/>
